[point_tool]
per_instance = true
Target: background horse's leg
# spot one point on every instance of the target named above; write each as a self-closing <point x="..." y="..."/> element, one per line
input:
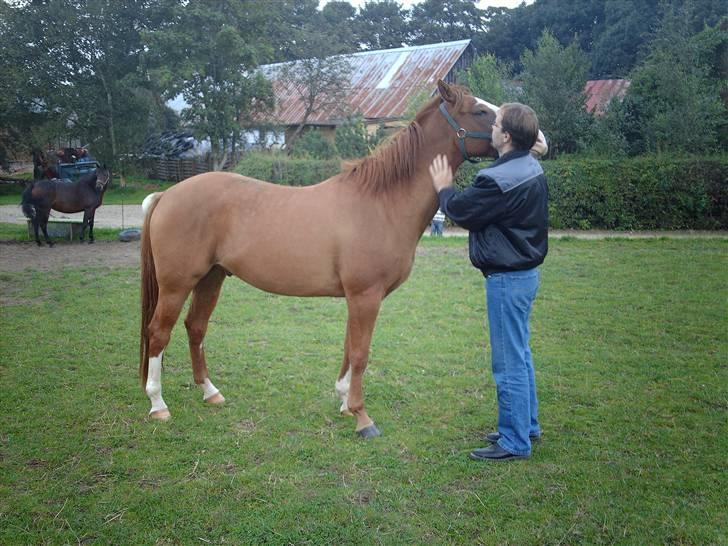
<point x="344" y="379"/>
<point x="85" y="223"/>
<point x="36" y="222"/>
<point x="91" y="217"/>
<point x="204" y="299"/>
<point x="42" y="215"/>
<point x="363" y="311"/>
<point x="166" y="313"/>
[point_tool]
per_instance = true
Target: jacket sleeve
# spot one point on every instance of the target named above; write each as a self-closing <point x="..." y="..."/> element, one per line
<point x="477" y="206"/>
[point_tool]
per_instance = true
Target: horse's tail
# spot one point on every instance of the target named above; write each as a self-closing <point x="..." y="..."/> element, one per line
<point x="149" y="289"/>
<point x="26" y="203"/>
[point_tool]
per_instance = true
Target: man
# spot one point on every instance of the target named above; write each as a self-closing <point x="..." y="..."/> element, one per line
<point x="438" y="221"/>
<point x="506" y="212"/>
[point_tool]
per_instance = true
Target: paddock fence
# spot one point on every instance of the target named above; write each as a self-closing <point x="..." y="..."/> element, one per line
<point x="177" y="169"/>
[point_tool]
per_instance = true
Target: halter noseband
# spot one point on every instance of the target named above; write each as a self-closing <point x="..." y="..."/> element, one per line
<point x="463" y="133"/>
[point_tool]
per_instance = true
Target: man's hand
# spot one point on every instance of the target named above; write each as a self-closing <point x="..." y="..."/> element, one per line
<point x="441" y="173"/>
<point x="540" y="148"/>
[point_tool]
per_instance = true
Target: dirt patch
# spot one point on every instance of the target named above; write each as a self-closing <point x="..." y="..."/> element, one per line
<point x="16" y="257"/>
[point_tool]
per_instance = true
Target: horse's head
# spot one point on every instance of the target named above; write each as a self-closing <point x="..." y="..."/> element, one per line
<point x="464" y="111"/>
<point x="103" y="178"/>
<point x="470" y="118"/>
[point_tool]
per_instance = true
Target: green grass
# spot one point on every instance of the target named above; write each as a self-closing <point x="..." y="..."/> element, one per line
<point x="19" y="233"/>
<point x="136" y="189"/>
<point x="630" y="343"/>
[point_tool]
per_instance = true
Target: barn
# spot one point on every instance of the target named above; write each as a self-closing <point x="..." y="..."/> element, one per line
<point x="382" y="85"/>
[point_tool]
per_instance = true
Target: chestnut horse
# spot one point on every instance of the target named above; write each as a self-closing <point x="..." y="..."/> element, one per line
<point x="353" y="235"/>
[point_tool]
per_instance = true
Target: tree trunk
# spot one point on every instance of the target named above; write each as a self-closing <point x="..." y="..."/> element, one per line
<point x="110" y="104"/>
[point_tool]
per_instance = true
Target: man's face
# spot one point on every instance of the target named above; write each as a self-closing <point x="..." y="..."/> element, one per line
<point x="498" y="135"/>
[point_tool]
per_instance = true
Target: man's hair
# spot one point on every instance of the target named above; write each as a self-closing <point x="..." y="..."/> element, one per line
<point x="521" y="123"/>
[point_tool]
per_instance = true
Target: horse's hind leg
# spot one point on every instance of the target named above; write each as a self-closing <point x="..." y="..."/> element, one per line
<point x="43" y="221"/>
<point x="165" y="316"/>
<point x="36" y="223"/>
<point x="204" y="299"/>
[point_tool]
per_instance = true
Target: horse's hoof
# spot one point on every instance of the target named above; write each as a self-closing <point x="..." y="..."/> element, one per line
<point x="344" y="410"/>
<point x="160" y="415"/>
<point x="215" y="399"/>
<point x="369" y="432"/>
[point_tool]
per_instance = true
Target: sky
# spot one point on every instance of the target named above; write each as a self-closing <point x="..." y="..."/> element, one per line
<point x="481" y="3"/>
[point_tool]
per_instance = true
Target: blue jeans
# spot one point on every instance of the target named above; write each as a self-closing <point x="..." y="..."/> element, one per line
<point x="510" y="297"/>
<point x="436" y="228"/>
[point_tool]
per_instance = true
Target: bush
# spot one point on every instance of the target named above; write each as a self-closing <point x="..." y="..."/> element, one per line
<point x="646" y="192"/>
<point x="313" y="144"/>
<point x="290" y="171"/>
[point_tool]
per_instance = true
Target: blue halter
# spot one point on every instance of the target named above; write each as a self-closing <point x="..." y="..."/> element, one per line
<point x="463" y="133"/>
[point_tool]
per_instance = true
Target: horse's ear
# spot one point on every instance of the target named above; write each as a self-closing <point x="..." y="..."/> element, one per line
<point x="445" y="91"/>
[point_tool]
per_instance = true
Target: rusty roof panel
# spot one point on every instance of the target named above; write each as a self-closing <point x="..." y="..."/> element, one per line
<point x="382" y="82"/>
<point x="600" y="92"/>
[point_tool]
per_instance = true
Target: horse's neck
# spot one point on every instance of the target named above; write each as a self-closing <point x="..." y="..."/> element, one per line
<point x="417" y="201"/>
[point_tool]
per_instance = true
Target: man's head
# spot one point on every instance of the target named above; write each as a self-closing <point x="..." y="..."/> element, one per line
<point x="515" y="128"/>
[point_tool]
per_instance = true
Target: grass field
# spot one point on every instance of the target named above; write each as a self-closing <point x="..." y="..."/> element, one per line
<point x="631" y="346"/>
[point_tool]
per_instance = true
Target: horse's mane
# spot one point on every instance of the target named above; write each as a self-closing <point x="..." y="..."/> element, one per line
<point x="394" y="163"/>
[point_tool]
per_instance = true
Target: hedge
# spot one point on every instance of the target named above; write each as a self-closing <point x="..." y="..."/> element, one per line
<point x="648" y="192"/>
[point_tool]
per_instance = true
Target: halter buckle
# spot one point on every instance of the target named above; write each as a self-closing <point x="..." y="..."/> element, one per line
<point x="461" y="133"/>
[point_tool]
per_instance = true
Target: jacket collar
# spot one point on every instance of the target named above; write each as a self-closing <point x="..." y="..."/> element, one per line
<point x="510" y="155"/>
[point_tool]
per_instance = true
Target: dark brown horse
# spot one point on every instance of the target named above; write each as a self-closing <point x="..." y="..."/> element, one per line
<point x="86" y="194"/>
<point x="353" y="235"/>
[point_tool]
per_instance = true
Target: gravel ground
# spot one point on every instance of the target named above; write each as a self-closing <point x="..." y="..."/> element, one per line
<point x="16" y="257"/>
<point x="107" y="216"/>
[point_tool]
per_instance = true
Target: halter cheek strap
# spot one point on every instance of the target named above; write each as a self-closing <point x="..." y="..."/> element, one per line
<point x="463" y="133"/>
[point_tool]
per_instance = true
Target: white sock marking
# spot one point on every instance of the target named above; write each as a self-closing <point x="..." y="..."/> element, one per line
<point x="208" y="389"/>
<point x="342" y="389"/>
<point x="154" y="383"/>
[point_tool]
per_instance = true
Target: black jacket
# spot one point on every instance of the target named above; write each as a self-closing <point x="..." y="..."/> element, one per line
<point x="506" y="212"/>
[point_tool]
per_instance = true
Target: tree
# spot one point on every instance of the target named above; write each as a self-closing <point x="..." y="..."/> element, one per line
<point x="79" y="62"/>
<point x="673" y="103"/>
<point x="321" y="83"/>
<point x="612" y="33"/>
<point x="338" y="23"/>
<point x="486" y="78"/>
<point x="445" y="21"/>
<point x="553" y="85"/>
<point x="382" y="25"/>
<point x="616" y="48"/>
<point x="353" y="139"/>
<point x="207" y="51"/>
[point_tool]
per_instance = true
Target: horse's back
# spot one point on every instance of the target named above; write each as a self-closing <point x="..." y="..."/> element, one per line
<point x="279" y="238"/>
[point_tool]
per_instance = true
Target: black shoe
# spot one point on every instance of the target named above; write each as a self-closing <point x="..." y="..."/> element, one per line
<point x="493" y="437"/>
<point x="494" y="452"/>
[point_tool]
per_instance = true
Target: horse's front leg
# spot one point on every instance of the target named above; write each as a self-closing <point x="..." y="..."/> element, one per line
<point x="86" y="216"/>
<point x="204" y="299"/>
<point x="363" y="311"/>
<point x="344" y="379"/>
<point x="92" y="216"/>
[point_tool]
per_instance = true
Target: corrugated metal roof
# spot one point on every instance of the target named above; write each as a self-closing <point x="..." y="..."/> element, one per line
<point x="600" y="92"/>
<point x="382" y="82"/>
